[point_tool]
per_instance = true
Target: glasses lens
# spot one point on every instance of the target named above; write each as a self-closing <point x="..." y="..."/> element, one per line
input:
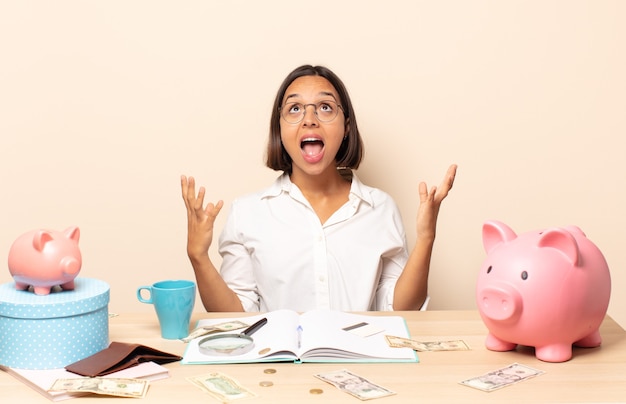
<point x="326" y="110"/>
<point x="294" y="112"/>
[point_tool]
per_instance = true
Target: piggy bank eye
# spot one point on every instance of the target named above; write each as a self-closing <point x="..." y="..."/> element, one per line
<point x="489" y="269"/>
<point x="524" y="275"/>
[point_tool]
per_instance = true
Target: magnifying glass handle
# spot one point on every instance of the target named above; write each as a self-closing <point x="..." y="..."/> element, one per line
<point x="254" y="327"/>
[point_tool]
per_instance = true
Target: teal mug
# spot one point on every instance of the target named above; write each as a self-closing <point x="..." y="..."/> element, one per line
<point x="173" y="301"/>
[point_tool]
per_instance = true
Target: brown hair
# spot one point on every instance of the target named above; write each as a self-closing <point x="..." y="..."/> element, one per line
<point x="349" y="154"/>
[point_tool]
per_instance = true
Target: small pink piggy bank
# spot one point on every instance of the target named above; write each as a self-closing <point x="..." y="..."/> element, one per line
<point x="44" y="258"/>
<point x="546" y="289"/>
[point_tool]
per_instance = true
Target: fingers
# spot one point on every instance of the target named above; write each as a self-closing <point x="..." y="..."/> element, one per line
<point x="425" y="194"/>
<point x="184" y="187"/>
<point x="199" y="201"/>
<point x="423" y="191"/>
<point x="438" y="194"/>
<point x="188" y="189"/>
<point x="195" y="204"/>
<point x="448" y="181"/>
<point x="213" y="210"/>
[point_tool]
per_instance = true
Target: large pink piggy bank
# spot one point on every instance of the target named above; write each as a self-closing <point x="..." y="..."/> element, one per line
<point x="43" y="259"/>
<point x="546" y="289"/>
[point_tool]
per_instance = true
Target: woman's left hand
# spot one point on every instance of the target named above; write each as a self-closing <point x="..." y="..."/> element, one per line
<point x="430" y="202"/>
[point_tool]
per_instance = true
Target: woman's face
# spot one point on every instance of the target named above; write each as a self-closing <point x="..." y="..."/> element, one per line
<point x="313" y="142"/>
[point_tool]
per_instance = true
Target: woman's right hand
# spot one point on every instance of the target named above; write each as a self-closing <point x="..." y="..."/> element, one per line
<point x="214" y="292"/>
<point x="200" y="219"/>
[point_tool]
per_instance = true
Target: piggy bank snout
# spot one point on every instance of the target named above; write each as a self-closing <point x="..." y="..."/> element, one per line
<point x="70" y="265"/>
<point x="500" y="303"/>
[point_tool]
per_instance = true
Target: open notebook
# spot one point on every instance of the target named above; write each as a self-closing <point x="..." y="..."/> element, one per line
<point x="313" y="336"/>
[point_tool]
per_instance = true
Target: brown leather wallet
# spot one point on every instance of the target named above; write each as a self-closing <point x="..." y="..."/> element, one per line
<point x="118" y="356"/>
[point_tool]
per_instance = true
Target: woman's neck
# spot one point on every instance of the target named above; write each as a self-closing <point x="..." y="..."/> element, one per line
<point x="329" y="182"/>
<point x="326" y="192"/>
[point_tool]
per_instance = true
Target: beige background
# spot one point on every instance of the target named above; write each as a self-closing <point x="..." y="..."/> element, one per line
<point x="104" y="104"/>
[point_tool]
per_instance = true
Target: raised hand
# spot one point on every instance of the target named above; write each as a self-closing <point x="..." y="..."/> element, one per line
<point x="200" y="219"/>
<point x="430" y="202"/>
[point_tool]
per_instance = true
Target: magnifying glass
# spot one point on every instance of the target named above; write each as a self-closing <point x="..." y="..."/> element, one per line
<point x="230" y="344"/>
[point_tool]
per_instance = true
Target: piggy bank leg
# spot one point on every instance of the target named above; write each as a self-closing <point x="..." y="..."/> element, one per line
<point x="494" y="343"/>
<point x="590" y="341"/>
<point x="42" y="290"/>
<point x="68" y="285"/>
<point x="21" y="286"/>
<point x="554" y="352"/>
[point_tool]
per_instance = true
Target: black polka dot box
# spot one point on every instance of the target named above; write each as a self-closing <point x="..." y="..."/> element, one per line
<point x="51" y="331"/>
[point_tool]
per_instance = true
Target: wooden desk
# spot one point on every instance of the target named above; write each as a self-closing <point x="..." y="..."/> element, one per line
<point x="593" y="375"/>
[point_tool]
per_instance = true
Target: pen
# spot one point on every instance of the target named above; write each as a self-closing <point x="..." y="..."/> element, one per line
<point x="299" y="330"/>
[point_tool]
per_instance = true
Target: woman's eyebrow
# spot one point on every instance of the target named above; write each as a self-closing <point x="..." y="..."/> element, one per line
<point x="291" y="96"/>
<point x="328" y="94"/>
<point x="322" y="93"/>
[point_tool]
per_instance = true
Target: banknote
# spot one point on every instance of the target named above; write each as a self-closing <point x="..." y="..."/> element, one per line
<point x="500" y="378"/>
<point x="399" y="342"/>
<point x="105" y="386"/>
<point x="208" y="329"/>
<point x="354" y="385"/>
<point x="423" y="346"/>
<point x="221" y="387"/>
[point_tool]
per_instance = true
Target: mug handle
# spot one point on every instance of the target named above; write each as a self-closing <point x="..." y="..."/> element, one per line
<point x="140" y="298"/>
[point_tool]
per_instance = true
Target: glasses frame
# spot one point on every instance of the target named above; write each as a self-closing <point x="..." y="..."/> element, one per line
<point x="315" y="107"/>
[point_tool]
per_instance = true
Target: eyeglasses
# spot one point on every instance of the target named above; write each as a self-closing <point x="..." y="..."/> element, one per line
<point x="325" y="111"/>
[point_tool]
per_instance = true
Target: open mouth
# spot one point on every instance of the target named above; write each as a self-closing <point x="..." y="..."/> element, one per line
<point x="312" y="146"/>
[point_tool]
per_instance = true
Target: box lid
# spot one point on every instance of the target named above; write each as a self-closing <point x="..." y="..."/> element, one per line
<point x="88" y="295"/>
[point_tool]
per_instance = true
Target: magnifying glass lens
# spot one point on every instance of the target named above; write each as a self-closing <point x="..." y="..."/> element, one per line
<point x="228" y="345"/>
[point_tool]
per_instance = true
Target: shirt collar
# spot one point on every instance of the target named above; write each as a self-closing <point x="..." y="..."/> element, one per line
<point x="360" y="190"/>
<point x="284" y="184"/>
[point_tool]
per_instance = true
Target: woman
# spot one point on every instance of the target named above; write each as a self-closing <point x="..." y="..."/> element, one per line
<point x="318" y="237"/>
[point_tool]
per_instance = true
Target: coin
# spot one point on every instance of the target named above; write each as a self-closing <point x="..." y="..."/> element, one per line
<point x="269" y="371"/>
<point x="266" y="383"/>
<point x="316" y="391"/>
<point x="264" y="351"/>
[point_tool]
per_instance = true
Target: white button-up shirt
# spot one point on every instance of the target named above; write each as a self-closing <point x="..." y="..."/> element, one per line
<point x="276" y="254"/>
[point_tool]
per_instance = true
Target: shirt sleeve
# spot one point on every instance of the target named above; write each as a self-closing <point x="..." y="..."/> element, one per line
<point x="237" y="269"/>
<point x="393" y="260"/>
<point x="385" y="293"/>
<point x="386" y="286"/>
<point x="393" y="263"/>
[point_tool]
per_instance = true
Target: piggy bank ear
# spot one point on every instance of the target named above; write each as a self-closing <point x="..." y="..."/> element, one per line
<point x="575" y="230"/>
<point x="40" y="239"/>
<point x="495" y="233"/>
<point x="563" y="241"/>
<point x="72" y="233"/>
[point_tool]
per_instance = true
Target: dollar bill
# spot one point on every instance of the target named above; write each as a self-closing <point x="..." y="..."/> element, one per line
<point x="221" y="387"/>
<point x="503" y="377"/>
<point x="209" y="329"/>
<point x="423" y="346"/>
<point x="354" y="385"/>
<point x="105" y="386"/>
<point x="399" y="342"/>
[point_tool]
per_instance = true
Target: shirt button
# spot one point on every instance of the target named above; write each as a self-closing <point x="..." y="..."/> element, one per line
<point x="322" y="279"/>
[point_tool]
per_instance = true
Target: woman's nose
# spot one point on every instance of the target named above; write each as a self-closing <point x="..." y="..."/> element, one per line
<point x="310" y="116"/>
